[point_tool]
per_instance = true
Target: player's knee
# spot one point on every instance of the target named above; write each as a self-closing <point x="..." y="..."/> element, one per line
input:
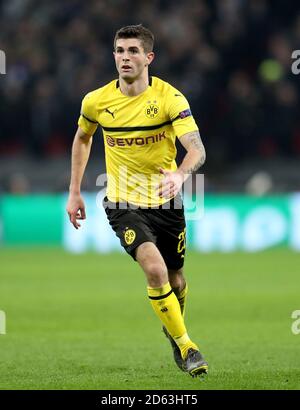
<point x="156" y="274"/>
<point x="176" y="280"/>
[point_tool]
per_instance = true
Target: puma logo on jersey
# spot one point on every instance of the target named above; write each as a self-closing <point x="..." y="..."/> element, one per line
<point x="111" y="113"/>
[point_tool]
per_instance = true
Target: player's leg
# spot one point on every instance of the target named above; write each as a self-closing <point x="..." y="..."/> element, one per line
<point x="138" y="239"/>
<point x="152" y="263"/>
<point x="179" y="286"/>
<point x="162" y="297"/>
<point x="171" y="238"/>
<point x="194" y="362"/>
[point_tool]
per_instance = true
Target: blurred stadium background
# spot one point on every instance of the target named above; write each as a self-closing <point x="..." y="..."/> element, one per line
<point x="232" y="59"/>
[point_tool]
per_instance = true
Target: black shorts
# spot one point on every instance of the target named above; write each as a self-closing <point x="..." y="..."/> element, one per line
<point x="164" y="227"/>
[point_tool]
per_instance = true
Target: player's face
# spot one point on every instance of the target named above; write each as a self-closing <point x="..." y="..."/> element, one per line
<point x="131" y="59"/>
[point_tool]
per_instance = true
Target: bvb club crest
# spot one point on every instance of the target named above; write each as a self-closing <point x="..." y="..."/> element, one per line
<point x="151" y="109"/>
<point x="129" y="236"/>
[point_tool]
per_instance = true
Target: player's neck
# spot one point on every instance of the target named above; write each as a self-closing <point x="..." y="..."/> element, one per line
<point x="136" y="87"/>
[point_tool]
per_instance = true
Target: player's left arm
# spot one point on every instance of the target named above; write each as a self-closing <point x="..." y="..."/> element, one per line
<point x="193" y="160"/>
<point x="195" y="156"/>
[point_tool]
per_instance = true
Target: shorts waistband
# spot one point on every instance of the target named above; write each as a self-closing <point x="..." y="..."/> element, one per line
<point x="173" y="203"/>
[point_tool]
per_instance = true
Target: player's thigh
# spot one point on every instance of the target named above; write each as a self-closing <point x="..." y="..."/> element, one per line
<point x="150" y="258"/>
<point x="152" y="263"/>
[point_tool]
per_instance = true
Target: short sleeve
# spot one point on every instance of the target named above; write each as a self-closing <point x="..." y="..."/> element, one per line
<point x="180" y="113"/>
<point x="87" y="120"/>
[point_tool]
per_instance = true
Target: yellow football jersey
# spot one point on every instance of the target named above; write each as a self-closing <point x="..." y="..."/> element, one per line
<point x="139" y="136"/>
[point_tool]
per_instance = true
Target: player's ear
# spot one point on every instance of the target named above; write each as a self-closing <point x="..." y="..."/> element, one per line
<point x="150" y="57"/>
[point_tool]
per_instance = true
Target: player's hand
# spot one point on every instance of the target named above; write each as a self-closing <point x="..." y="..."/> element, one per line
<point x="171" y="183"/>
<point x="76" y="209"/>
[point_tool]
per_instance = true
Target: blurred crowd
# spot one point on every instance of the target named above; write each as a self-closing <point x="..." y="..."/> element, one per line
<point x="231" y="58"/>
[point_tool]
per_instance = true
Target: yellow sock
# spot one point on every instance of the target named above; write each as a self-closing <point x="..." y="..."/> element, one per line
<point x="167" y="308"/>
<point x="182" y="299"/>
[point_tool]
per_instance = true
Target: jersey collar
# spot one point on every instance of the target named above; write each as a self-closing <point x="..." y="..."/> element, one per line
<point x="150" y="82"/>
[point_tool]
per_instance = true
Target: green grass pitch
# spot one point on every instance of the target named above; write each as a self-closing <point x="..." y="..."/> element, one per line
<point x="84" y="322"/>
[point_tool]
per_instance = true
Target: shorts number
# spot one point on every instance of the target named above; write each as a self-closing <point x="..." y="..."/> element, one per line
<point x="181" y="243"/>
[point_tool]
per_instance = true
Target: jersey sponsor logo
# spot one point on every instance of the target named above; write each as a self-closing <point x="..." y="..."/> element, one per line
<point x="110" y="141"/>
<point x="152" y="109"/>
<point x="129" y="236"/>
<point x="128" y="142"/>
<point x="185" y="113"/>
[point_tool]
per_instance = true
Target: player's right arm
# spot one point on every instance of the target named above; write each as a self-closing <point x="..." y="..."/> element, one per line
<point x="81" y="148"/>
<point x="80" y="154"/>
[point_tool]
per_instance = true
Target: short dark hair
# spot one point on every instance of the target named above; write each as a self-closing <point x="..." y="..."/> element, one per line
<point x="138" y="31"/>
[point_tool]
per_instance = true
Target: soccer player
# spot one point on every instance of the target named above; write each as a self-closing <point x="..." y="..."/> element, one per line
<point x="141" y="117"/>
